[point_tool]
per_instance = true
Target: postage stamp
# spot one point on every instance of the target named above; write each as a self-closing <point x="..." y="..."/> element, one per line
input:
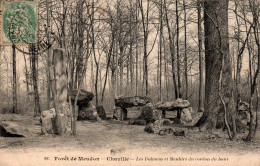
<point x="19" y="23"/>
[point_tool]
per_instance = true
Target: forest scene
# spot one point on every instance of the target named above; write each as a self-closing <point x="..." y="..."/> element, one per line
<point x="120" y="77"/>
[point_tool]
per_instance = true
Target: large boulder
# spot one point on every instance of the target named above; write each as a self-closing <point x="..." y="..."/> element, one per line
<point x="154" y="127"/>
<point x="186" y="115"/>
<point x="101" y="112"/>
<point x="165" y="105"/>
<point x="88" y="113"/>
<point x="83" y="99"/>
<point x="120" y="113"/>
<point x="173" y="105"/>
<point x="149" y="112"/>
<point x="126" y="102"/>
<point x="13" y="129"/>
<point x="180" y="103"/>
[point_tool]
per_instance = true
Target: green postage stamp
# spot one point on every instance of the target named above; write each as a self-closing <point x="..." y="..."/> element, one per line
<point x="19" y="22"/>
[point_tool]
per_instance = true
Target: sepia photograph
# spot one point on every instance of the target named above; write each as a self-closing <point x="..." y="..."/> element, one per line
<point x="129" y="82"/>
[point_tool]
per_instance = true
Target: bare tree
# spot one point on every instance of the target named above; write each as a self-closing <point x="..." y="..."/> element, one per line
<point x="219" y="83"/>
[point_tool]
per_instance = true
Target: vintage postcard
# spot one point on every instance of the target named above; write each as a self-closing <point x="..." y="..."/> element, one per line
<point x="129" y="82"/>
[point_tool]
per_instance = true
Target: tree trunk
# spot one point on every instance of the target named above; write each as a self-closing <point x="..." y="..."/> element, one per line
<point x="145" y="24"/>
<point x="48" y="57"/>
<point x="80" y="59"/>
<point x="201" y="106"/>
<point x="172" y="50"/>
<point x="37" y="109"/>
<point x="160" y="51"/>
<point x="217" y="48"/>
<point x="26" y="77"/>
<point x="107" y="67"/>
<point x="121" y="70"/>
<point x="185" y="52"/>
<point x="14" y="81"/>
<point x="177" y="51"/>
<point x="166" y="69"/>
<point x="136" y="49"/>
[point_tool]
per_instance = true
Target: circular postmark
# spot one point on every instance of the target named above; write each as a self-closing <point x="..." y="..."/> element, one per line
<point x="20" y="27"/>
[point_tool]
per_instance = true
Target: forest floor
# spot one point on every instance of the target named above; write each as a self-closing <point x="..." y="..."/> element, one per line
<point x="119" y="139"/>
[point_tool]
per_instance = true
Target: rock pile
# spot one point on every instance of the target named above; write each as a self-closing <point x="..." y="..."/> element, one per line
<point x="159" y="127"/>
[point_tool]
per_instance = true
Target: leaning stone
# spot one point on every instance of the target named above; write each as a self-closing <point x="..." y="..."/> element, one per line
<point x="120" y="113"/>
<point x="13" y="129"/>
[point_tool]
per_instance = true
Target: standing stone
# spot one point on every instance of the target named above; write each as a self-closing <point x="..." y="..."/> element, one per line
<point x="47" y="119"/>
<point x="59" y="91"/>
<point x="101" y="112"/>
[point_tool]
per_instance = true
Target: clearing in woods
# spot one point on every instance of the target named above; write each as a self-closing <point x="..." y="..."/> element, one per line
<point x="114" y="137"/>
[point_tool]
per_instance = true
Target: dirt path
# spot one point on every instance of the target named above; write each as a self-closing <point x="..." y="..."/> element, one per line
<point x="113" y="138"/>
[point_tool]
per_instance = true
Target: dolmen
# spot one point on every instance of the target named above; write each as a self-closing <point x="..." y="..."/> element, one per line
<point x="181" y="106"/>
<point x="148" y="110"/>
<point x="86" y="110"/>
<point x="151" y="112"/>
<point x="84" y="97"/>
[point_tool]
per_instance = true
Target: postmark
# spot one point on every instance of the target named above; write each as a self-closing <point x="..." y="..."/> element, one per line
<point x="19" y="23"/>
<point x="19" y="27"/>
